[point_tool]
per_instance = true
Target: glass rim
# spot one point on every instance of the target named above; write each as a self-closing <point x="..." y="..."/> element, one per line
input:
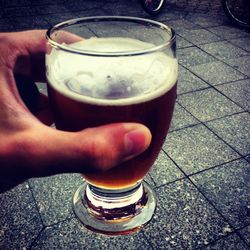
<point x="69" y="22"/>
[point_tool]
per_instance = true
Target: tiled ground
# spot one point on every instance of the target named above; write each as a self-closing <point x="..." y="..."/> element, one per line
<point x="202" y="176"/>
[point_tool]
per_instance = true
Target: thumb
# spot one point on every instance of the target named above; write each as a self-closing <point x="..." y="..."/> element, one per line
<point x="93" y="149"/>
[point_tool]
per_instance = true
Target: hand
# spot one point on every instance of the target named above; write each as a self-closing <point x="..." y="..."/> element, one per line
<point x="30" y="148"/>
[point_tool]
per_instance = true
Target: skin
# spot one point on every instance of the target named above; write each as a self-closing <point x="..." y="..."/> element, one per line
<point x="29" y="147"/>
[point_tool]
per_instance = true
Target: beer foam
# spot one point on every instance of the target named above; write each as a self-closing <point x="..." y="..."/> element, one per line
<point x="106" y="80"/>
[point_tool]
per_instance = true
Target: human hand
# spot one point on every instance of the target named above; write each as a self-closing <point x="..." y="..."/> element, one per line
<point x="30" y="148"/>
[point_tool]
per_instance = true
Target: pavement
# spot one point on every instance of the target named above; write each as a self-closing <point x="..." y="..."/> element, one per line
<point x="202" y="175"/>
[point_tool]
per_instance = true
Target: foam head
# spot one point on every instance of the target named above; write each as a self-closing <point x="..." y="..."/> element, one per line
<point x="111" y="79"/>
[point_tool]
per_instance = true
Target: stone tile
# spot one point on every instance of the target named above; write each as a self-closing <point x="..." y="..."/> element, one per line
<point x="14" y="3"/>
<point x="42" y="88"/>
<point x="196" y="148"/>
<point x="217" y="72"/>
<point x="181" y="118"/>
<point x="74" y="6"/>
<point x="184" y="219"/>
<point x="245" y="234"/>
<point x="93" y="12"/>
<point x="193" y="56"/>
<point x="53" y="196"/>
<point x="51" y="9"/>
<point x="5" y="25"/>
<point x="248" y="158"/>
<point x="182" y="24"/>
<point x="229" y="32"/>
<point x="238" y="91"/>
<point x="199" y="36"/>
<point x="123" y="8"/>
<point x="234" y="130"/>
<point x="188" y="82"/>
<point x="232" y="241"/>
<point x="149" y="180"/>
<point x="224" y="50"/>
<point x="228" y="188"/>
<point x="19" y="11"/>
<point x="170" y="14"/>
<point x="208" y="104"/>
<point x="164" y="170"/>
<point x="72" y="235"/>
<point x="182" y="43"/>
<point x="20" y="222"/>
<point x="53" y="19"/>
<point x="34" y="22"/>
<point x="241" y="64"/>
<point x="205" y="20"/>
<point x="243" y="43"/>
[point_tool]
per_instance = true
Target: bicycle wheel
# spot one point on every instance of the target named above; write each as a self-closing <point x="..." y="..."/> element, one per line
<point x="238" y="11"/>
<point x="153" y="7"/>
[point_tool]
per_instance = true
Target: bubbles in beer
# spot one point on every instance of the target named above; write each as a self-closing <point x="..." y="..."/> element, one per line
<point x="110" y="78"/>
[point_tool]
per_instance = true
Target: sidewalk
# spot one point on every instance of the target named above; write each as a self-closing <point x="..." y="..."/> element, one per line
<point x="202" y="176"/>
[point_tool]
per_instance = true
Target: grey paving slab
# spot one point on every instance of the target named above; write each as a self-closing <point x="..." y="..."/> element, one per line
<point x="245" y="234"/>
<point x="206" y="20"/>
<point x="6" y="25"/>
<point x="76" y="6"/>
<point x="53" y="19"/>
<point x="182" y="43"/>
<point x="72" y="235"/>
<point x="238" y="91"/>
<point x="224" y="50"/>
<point x="51" y="9"/>
<point x="170" y="14"/>
<point x="182" y="24"/>
<point x="34" y="22"/>
<point x="229" y="32"/>
<point x="188" y="82"/>
<point x="217" y="72"/>
<point x="243" y="43"/>
<point x="228" y="188"/>
<point x="14" y="3"/>
<point x="193" y="56"/>
<point x="248" y="158"/>
<point x="164" y="170"/>
<point x="53" y="196"/>
<point x="184" y="219"/>
<point x="208" y="104"/>
<point x="241" y="64"/>
<point x="199" y="36"/>
<point x="19" y="11"/>
<point x="235" y="130"/>
<point x="42" y="87"/>
<point x="127" y="8"/>
<point x="196" y="148"/>
<point x="181" y="118"/>
<point x="20" y="222"/>
<point x="233" y="242"/>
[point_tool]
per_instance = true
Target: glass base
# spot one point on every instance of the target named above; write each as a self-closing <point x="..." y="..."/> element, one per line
<point x="113" y="212"/>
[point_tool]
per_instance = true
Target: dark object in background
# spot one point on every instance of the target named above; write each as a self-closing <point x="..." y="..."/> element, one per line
<point x="28" y="92"/>
<point x="153" y="7"/>
<point x="238" y="12"/>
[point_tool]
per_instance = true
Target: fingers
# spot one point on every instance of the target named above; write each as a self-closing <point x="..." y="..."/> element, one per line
<point x="28" y="49"/>
<point x="47" y="151"/>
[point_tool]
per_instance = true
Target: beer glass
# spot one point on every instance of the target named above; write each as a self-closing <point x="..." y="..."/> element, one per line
<point x="109" y="69"/>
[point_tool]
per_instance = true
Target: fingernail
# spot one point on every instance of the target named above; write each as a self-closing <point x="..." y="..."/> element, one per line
<point x="136" y="141"/>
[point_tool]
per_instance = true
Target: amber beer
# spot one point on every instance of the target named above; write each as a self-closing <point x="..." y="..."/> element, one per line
<point x="123" y="100"/>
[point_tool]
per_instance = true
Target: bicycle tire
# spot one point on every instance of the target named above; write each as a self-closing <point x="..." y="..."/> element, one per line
<point x="152" y="9"/>
<point x="232" y="16"/>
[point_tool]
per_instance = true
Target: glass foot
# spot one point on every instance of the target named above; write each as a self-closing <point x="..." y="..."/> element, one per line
<point x="114" y="212"/>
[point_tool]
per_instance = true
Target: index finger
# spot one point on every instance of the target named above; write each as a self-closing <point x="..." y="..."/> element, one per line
<point x="32" y="46"/>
